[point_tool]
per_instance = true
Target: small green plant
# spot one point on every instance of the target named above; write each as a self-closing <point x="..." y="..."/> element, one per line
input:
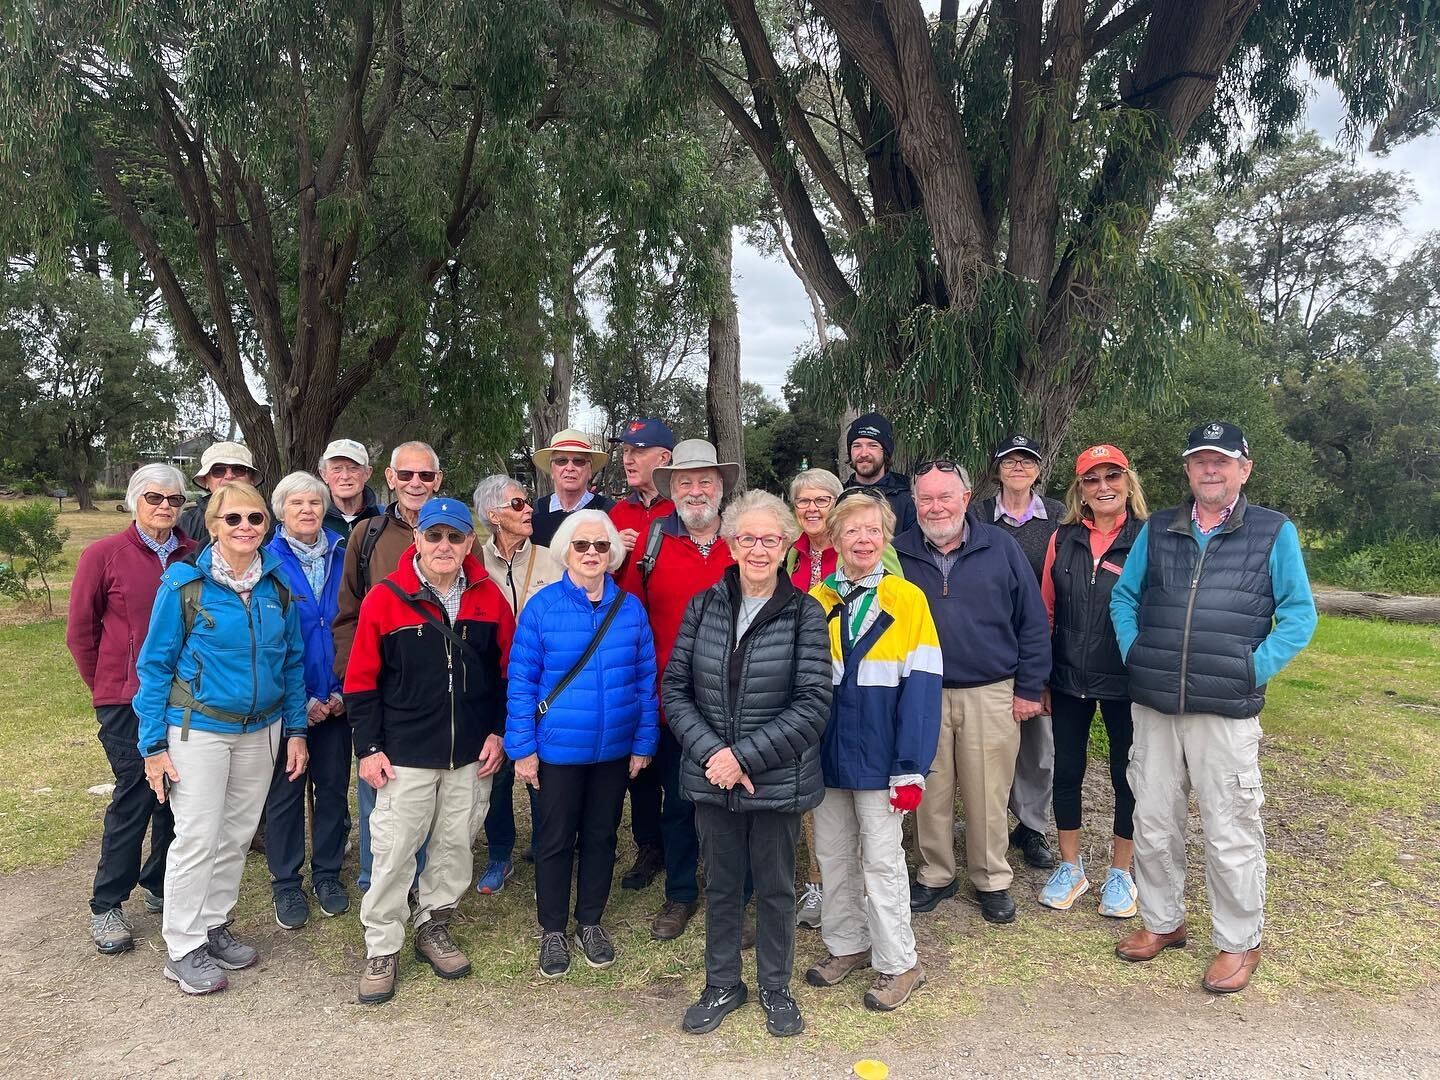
<point x="1406" y="562"/>
<point x="31" y="540"/>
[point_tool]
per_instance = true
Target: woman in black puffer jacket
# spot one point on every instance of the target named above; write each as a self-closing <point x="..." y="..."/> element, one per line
<point x="747" y="693"/>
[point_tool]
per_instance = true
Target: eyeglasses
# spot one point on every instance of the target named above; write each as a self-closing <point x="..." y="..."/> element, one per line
<point x="219" y="472"/>
<point x="1019" y="463"/>
<point x="869" y="493"/>
<point x="769" y="543"/>
<point x="563" y="461"/>
<point x="434" y="536"/>
<point x="255" y="517"/>
<point x="1110" y="476"/>
<point x="944" y="465"/>
<point x="427" y="476"/>
<point x="601" y="547"/>
<point x="518" y="504"/>
<point x="344" y="468"/>
<point x="819" y="502"/>
<point x="154" y="498"/>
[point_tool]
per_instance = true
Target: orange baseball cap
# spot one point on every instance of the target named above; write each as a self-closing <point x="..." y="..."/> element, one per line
<point x="1099" y="455"/>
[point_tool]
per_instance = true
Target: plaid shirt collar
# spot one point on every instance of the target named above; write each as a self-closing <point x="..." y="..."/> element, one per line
<point x="450" y="601"/>
<point x="162" y="551"/>
<point x="1224" y="516"/>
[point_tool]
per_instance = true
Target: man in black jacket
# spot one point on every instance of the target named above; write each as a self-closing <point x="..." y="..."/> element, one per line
<point x="345" y="469"/>
<point x="871" y="443"/>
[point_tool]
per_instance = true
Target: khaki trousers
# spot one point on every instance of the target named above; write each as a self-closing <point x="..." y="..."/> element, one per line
<point x="440" y="804"/>
<point x="866" y="902"/>
<point x="975" y="758"/>
<point x="1219" y="757"/>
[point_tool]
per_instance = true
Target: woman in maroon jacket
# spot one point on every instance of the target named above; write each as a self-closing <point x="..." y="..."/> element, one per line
<point x="110" y="600"/>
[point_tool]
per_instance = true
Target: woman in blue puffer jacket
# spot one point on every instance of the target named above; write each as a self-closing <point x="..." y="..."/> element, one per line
<point x="592" y="736"/>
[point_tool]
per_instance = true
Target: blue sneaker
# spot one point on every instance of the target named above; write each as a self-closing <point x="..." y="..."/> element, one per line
<point x="497" y="872"/>
<point x="1118" y="896"/>
<point x="1066" y="885"/>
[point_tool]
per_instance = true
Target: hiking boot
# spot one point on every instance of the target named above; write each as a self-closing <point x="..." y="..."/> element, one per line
<point x="716" y="1003"/>
<point x="1033" y="846"/>
<point x="673" y="917"/>
<point x="996" y="905"/>
<point x="196" y="972"/>
<point x="292" y="910"/>
<point x="747" y="931"/>
<point x="927" y="897"/>
<point x="436" y="947"/>
<point x="1118" y="896"/>
<point x="332" y="897"/>
<point x="594" y="945"/>
<point x="1066" y="885"/>
<point x="892" y="991"/>
<point x="154" y="904"/>
<point x="112" y="932"/>
<point x="807" y="912"/>
<point x="554" y="954"/>
<point x="649" y="861"/>
<point x="377" y="981"/>
<point x="782" y="1015"/>
<point x="497" y="872"/>
<point x="227" y="952"/>
<point x="832" y="970"/>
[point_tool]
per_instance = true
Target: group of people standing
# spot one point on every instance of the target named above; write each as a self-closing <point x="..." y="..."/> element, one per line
<point x="745" y="671"/>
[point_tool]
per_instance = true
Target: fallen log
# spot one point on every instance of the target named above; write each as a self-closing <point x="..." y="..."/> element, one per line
<point x="1374" y="605"/>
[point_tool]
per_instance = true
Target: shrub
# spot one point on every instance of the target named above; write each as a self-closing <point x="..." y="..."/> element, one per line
<point x="31" y="540"/>
<point x="1406" y="562"/>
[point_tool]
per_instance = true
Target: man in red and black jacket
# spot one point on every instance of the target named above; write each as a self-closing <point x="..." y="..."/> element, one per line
<point x="425" y="693"/>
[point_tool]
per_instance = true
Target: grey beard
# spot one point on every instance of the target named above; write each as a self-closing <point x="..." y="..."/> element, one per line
<point x="698" y="518"/>
<point x="939" y="538"/>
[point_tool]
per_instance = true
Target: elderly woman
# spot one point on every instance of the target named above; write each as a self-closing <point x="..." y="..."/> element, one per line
<point x="747" y="694"/>
<point x="221" y="673"/>
<point x="521" y="569"/>
<point x="1104" y="509"/>
<point x="878" y="746"/>
<point x="312" y="562"/>
<point x="115" y="584"/>
<point x="582" y="721"/>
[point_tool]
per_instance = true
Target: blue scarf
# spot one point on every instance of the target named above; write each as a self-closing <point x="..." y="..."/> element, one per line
<point x="312" y="558"/>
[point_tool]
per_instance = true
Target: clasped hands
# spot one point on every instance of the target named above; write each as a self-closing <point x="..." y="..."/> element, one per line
<point x="724" y="771"/>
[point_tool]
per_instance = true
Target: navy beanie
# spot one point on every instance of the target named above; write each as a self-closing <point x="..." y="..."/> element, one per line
<point x="873" y="426"/>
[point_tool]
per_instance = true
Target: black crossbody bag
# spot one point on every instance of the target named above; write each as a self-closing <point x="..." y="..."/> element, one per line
<point x="549" y="699"/>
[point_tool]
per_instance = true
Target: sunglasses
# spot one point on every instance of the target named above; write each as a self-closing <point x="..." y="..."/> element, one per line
<point x="819" y="502"/>
<point x="1110" y="476"/>
<point x="518" y="504"/>
<point x="769" y="543"/>
<point x="255" y="517"/>
<point x="427" y="476"/>
<point x="222" y="471"/>
<point x="154" y="498"/>
<point x="869" y="493"/>
<point x="434" y="536"/>
<point x="601" y="547"/>
<point x="578" y="462"/>
<point x="944" y="465"/>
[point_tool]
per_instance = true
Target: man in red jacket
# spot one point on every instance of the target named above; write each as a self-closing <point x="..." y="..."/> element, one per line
<point x="691" y="558"/>
<point x="425" y="693"/>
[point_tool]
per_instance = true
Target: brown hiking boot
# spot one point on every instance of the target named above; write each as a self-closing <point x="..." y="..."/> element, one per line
<point x="377" y="981"/>
<point x="649" y="862"/>
<point x="832" y="970"/>
<point x="892" y="991"/>
<point x="670" y="923"/>
<point x="436" y="947"/>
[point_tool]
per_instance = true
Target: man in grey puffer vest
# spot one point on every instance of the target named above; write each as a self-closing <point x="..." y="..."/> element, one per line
<point x="1213" y="602"/>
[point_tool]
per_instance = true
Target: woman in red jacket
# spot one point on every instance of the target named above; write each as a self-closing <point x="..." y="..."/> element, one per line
<point x="110" y="600"/>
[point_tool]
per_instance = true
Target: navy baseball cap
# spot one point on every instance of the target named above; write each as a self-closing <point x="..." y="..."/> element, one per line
<point x="647" y="431"/>
<point x="1219" y="436"/>
<point x="444" y="511"/>
<point x="1018" y="444"/>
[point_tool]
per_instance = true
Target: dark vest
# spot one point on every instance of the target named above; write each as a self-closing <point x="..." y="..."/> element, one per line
<point x="1202" y="615"/>
<point x="1087" y="656"/>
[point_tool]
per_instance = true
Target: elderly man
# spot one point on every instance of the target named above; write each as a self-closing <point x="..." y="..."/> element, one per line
<point x="219" y="465"/>
<point x="428" y="711"/>
<point x="345" y="468"/>
<point x="871" y="443"/>
<point x="995" y="642"/>
<point x="1213" y="603"/>
<point x="372" y="554"/>
<point x="571" y="462"/>
<point x="689" y="558"/>
<point x="646" y="445"/>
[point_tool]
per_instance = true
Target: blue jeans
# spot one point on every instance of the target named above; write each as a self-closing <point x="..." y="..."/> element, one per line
<point x="365" y="796"/>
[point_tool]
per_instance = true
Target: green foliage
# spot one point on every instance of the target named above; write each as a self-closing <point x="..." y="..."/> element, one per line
<point x="31" y="539"/>
<point x="1407" y="562"/>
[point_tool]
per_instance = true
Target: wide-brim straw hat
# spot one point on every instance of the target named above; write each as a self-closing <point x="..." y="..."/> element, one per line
<point x="570" y="441"/>
<point x="695" y="454"/>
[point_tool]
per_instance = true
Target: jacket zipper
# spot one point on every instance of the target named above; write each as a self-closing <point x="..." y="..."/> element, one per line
<point x="254" y="672"/>
<point x="450" y="687"/>
<point x="1190" y="611"/>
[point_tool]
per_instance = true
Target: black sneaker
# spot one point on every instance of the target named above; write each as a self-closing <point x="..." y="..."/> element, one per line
<point x="332" y="897"/>
<point x="782" y="1015"/>
<point x="649" y="862"/>
<point x="716" y="1003"/>
<point x="554" y="954"/>
<point x="925" y="898"/>
<point x="292" y="910"/>
<point x="594" y="945"/>
<point x="996" y="906"/>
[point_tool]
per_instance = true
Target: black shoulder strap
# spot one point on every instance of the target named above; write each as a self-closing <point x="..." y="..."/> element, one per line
<point x="415" y="606"/>
<point x="549" y="699"/>
<point x="654" y="537"/>
<point x="374" y="526"/>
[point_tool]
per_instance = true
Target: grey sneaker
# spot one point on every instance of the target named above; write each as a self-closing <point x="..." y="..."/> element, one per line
<point x="154" y="904"/>
<point x="227" y="952"/>
<point x="332" y="897"/>
<point x="292" y="910"/>
<point x="807" y="912"/>
<point x="112" y="932"/>
<point x="196" y="972"/>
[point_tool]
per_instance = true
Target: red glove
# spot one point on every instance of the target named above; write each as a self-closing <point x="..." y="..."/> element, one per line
<point x="907" y="797"/>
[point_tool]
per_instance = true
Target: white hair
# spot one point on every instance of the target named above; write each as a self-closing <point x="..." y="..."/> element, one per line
<point x="158" y="473"/>
<point x="414" y="444"/>
<point x="490" y="495"/>
<point x="560" y="542"/>
<point x="294" y="484"/>
<point x="756" y="501"/>
<point x="822" y="479"/>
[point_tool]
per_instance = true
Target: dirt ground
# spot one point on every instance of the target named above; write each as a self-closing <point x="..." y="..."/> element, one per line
<point x="66" y="1011"/>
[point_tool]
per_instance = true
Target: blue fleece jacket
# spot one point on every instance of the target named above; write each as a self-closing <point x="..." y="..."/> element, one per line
<point x="239" y="658"/>
<point x="1295" y="616"/>
<point x="317" y="613"/>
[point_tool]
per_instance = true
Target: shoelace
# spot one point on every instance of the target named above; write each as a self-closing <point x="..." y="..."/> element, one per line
<point x="114" y="919"/>
<point x="812" y="895"/>
<point x="713" y="995"/>
<point x="883" y="982"/>
<point x="221" y="938"/>
<point x="776" y="999"/>
<point x="591" y="936"/>
<point x="378" y="965"/>
<point x="552" y="946"/>
<point x="439" y="935"/>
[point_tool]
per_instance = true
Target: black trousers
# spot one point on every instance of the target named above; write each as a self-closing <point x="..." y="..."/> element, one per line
<point x="132" y="811"/>
<point x="579" y="806"/>
<point x="677" y="824"/>
<point x="763" y="842"/>
<point x="331" y="752"/>
<point x="1071" y="720"/>
<point x="645" y="807"/>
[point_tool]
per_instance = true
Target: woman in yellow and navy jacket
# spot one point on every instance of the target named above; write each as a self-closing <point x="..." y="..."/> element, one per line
<point x="877" y="748"/>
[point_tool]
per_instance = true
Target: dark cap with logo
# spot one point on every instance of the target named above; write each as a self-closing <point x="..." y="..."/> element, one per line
<point x="872" y="426"/>
<point x="645" y="432"/>
<point x="1219" y="436"/>
<point x="1018" y="444"/>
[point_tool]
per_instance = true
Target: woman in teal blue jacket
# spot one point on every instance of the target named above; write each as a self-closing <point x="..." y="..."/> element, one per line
<point x="221" y="673"/>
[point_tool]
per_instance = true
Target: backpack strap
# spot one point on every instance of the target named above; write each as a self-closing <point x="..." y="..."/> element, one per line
<point x="374" y="526"/>
<point x="654" y="538"/>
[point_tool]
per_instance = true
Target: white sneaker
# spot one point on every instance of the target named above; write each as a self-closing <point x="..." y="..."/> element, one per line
<point x="807" y="911"/>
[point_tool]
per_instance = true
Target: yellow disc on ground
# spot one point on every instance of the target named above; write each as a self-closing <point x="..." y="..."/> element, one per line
<point x="870" y="1069"/>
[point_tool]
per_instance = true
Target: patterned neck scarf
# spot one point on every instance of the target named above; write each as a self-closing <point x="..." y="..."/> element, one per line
<point x="162" y="551"/>
<point x="312" y="558"/>
<point x="243" y="583"/>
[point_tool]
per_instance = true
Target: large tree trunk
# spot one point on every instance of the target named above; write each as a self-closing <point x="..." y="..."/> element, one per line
<point x="550" y="411"/>
<point x="1373" y="605"/>
<point x="722" y="390"/>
